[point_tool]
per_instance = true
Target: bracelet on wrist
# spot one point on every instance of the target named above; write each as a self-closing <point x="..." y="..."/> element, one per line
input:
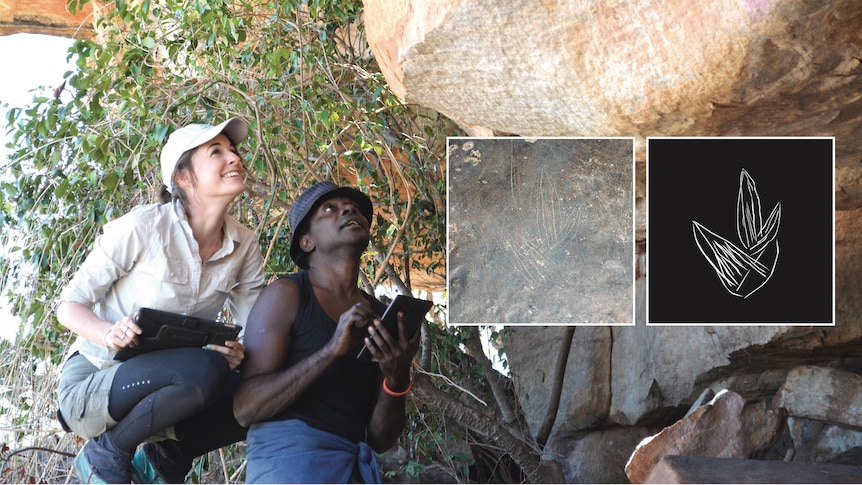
<point x="397" y="394"/>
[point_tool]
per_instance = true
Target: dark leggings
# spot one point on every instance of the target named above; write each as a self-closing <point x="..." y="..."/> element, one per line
<point x="190" y="388"/>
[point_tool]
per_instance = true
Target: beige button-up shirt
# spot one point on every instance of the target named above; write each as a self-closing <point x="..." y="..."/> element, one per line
<point x="149" y="258"/>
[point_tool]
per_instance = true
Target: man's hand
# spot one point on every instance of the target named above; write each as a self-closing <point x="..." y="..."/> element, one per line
<point x="394" y="355"/>
<point x="351" y="327"/>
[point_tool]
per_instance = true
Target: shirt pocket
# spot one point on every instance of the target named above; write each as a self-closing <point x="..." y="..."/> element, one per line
<point x="225" y="282"/>
<point x="163" y="285"/>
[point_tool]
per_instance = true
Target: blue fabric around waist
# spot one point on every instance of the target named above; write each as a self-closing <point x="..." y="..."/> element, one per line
<point x="291" y="451"/>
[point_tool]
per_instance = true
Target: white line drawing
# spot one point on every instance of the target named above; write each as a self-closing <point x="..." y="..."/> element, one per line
<point x="744" y="268"/>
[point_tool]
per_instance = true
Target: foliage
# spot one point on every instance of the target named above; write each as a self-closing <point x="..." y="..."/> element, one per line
<point x="302" y="75"/>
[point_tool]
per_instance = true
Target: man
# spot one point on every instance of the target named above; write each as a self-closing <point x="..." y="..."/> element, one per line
<point x="316" y="411"/>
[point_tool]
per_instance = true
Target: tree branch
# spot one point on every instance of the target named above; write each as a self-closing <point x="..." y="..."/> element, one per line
<point x="472" y="418"/>
<point x="425" y="343"/>
<point x="384" y="263"/>
<point x="474" y="348"/>
<point x="557" y="389"/>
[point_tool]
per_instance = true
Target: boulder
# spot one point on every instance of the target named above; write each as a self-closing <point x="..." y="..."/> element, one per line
<point x="601" y="456"/>
<point x="824" y="394"/>
<point x="702" y="469"/>
<point x="632" y="68"/>
<point x="820" y="442"/>
<point x="723" y="428"/>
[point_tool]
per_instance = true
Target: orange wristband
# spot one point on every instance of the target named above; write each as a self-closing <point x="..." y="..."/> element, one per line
<point x="397" y="394"/>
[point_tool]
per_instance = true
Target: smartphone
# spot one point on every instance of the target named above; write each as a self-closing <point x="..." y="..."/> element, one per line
<point x="414" y="310"/>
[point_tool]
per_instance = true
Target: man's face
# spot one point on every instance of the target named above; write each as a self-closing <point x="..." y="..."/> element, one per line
<point x="338" y="220"/>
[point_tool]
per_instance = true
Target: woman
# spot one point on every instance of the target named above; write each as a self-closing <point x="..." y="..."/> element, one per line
<point x="186" y="256"/>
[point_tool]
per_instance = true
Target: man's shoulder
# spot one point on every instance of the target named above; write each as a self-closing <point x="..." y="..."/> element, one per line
<point x="278" y="298"/>
<point x="292" y="281"/>
<point x="284" y="286"/>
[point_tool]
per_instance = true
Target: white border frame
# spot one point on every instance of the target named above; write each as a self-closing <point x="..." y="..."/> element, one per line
<point x="736" y="324"/>
<point x="633" y="141"/>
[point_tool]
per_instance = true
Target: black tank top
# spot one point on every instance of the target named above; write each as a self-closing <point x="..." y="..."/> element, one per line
<point x="342" y="399"/>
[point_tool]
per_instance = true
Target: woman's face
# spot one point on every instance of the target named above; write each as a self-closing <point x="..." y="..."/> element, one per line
<point x="218" y="169"/>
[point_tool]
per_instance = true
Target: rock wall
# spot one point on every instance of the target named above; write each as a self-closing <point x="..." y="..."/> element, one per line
<point x="813" y="418"/>
<point x="627" y="382"/>
<point x="648" y="68"/>
<point x="633" y="68"/>
<point x="48" y="17"/>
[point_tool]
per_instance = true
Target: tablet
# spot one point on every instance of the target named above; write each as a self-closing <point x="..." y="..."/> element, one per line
<point x="166" y="330"/>
<point x="414" y="316"/>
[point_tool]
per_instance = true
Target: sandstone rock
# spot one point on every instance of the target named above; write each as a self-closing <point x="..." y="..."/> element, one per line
<point x="600" y="457"/>
<point x="632" y="67"/>
<point x="724" y="428"/>
<point x="586" y="397"/>
<point x="820" y="442"/>
<point x="45" y="17"/>
<point x="848" y="275"/>
<point x="568" y="67"/>
<point x="650" y="361"/>
<point x="821" y="393"/>
<point x="701" y="469"/>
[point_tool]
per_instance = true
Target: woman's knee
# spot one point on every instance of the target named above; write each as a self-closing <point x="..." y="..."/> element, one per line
<point x="204" y="369"/>
<point x="199" y="370"/>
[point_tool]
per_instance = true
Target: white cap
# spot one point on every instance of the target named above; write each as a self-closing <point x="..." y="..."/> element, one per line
<point x="195" y="135"/>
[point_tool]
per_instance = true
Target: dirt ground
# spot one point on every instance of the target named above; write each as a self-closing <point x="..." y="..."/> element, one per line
<point x="541" y="231"/>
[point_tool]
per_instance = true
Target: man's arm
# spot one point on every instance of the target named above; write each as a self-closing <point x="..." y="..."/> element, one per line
<point x="262" y="391"/>
<point x="395" y="357"/>
<point x="266" y="388"/>
<point x="388" y="419"/>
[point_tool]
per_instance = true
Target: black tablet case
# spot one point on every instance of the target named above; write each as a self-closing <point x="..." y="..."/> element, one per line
<point x="414" y="315"/>
<point x="166" y="330"/>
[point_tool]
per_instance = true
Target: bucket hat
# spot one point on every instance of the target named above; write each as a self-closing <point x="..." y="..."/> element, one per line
<point x="193" y="136"/>
<point x="309" y="200"/>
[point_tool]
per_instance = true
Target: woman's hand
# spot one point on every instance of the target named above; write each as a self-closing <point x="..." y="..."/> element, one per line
<point x="123" y="333"/>
<point x="233" y="351"/>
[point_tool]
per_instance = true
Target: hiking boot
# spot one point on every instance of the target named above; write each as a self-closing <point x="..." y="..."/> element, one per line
<point x="97" y="464"/>
<point x="84" y="471"/>
<point x="155" y="463"/>
<point x="143" y="470"/>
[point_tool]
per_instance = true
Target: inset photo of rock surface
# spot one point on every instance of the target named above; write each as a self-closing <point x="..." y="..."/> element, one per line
<point x="541" y="230"/>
